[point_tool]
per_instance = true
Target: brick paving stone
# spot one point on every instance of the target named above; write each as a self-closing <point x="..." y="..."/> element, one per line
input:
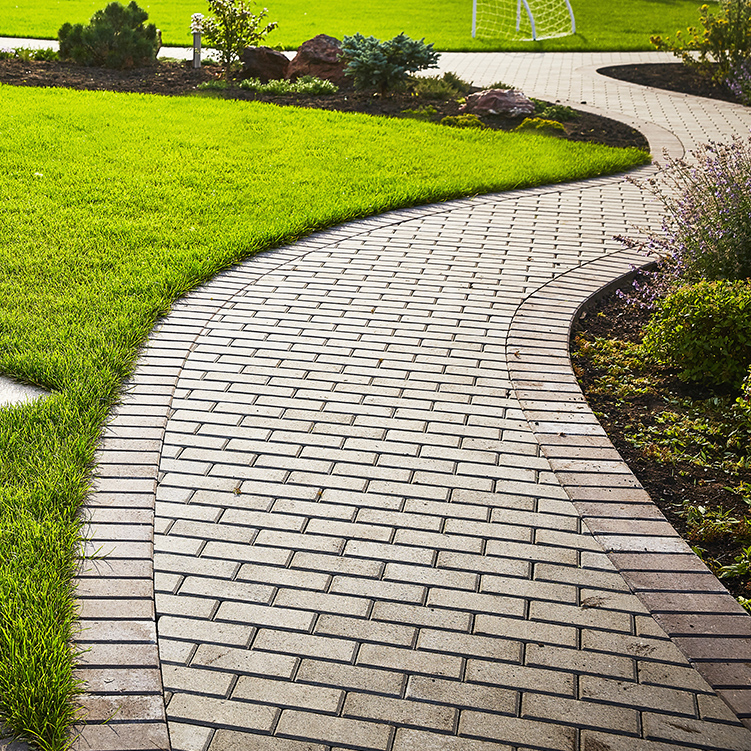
<point x="362" y="451"/>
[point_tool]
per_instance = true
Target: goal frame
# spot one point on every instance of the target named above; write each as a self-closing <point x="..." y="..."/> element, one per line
<point x="530" y="16"/>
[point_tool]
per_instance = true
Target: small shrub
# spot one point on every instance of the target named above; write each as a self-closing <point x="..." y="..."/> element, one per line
<point x="115" y="38"/>
<point x="233" y="27"/>
<point x="540" y="125"/>
<point x="705" y="331"/>
<point x="558" y="112"/>
<point x="26" y="54"/>
<point x="497" y="85"/>
<point x="383" y="66"/>
<point x="462" y="121"/>
<point x="447" y="86"/>
<point x="723" y="40"/>
<point x="215" y="84"/>
<point x="280" y="87"/>
<point x="421" y="113"/>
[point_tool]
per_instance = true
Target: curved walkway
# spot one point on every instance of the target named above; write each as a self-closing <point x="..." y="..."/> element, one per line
<point x="383" y="516"/>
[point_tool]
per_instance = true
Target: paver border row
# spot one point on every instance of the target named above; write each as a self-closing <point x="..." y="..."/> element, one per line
<point x="703" y="619"/>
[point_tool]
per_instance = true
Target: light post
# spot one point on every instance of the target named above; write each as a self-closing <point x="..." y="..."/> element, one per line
<point x="196" y="26"/>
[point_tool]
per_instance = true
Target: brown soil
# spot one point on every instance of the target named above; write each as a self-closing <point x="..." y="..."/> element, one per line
<point x="174" y="78"/>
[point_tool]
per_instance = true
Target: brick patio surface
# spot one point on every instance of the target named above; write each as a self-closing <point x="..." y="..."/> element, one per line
<point x="354" y="498"/>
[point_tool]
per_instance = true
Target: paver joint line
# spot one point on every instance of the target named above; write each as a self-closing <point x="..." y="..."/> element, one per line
<point x="383" y="517"/>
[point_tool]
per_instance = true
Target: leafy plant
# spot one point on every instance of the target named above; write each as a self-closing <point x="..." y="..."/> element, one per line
<point x="741" y="567"/>
<point x="427" y="112"/>
<point x="723" y="40"/>
<point x="540" y="125"/>
<point x="705" y="331"/>
<point x="26" y="54"/>
<point x="558" y="112"/>
<point x="706" y="230"/>
<point x="462" y="121"/>
<point x="233" y="27"/>
<point x="705" y="524"/>
<point x="383" y="66"/>
<point x="447" y="86"/>
<point x="281" y="87"/>
<point x="115" y="38"/>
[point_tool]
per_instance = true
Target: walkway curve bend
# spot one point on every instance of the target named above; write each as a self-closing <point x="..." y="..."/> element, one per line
<point x="354" y="499"/>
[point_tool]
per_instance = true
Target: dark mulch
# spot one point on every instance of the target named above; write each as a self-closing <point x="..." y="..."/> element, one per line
<point x="176" y="79"/>
<point x="672" y="77"/>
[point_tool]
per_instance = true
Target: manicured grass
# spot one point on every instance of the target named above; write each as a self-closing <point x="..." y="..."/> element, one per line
<point x="625" y="25"/>
<point x="115" y="205"/>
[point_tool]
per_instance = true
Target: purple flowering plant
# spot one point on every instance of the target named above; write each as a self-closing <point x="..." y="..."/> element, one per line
<point x="739" y="81"/>
<point x="706" y="229"/>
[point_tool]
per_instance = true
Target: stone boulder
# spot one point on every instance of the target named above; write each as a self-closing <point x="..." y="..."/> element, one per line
<point x="264" y="63"/>
<point x="319" y="57"/>
<point x="506" y="102"/>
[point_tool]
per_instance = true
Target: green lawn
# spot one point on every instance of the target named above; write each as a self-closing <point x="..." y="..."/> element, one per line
<point x="625" y="25"/>
<point x="112" y="207"/>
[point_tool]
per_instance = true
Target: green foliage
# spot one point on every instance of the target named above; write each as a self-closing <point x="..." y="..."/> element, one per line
<point x="215" y="84"/>
<point x="447" y="86"/>
<point x="26" y="54"/>
<point x="281" y="87"/>
<point x="705" y="524"/>
<point x="540" y="125"/>
<point x="705" y="331"/>
<point x="723" y="40"/>
<point x="428" y="112"/>
<point x="115" y="38"/>
<point x="233" y="27"/>
<point x="462" y="121"/>
<point x="383" y="66"/>
<point x="558" y="112"/>
<point x="741" y="567"/>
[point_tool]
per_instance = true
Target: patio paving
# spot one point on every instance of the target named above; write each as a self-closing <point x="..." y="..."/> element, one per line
<point x="354" y="499"/>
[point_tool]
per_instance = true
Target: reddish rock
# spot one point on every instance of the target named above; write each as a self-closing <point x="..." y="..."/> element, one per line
<point x="264" y="63"/>
<point x="319" y="57"/>
<point x="505" y="102"/>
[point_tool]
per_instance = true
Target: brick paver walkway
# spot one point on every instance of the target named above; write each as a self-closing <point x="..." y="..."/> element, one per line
<point x="385" y="518"/>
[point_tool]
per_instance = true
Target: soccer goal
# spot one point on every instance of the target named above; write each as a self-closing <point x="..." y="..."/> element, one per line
<point x="522" y="20"/>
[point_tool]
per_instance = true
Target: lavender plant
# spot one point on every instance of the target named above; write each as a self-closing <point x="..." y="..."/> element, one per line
<point x="739" y="80"/>
<point x="706" y="230"/>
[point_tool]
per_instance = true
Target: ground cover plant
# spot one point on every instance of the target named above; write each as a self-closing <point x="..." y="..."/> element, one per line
<point x="114" y="205"/>
<point x="601" y="26"/>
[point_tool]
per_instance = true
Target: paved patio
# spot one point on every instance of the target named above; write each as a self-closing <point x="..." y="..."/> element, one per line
<point x="379" y="512"/>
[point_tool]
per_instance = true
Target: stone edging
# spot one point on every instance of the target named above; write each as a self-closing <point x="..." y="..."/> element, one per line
<point x="686" y="599"/>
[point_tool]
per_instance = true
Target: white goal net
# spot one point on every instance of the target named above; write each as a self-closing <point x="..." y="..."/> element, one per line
<point x="522" y="20"/>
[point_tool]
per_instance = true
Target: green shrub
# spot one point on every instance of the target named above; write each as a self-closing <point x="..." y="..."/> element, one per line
<point x="723" y="41"/>
<point x="232" y="28"/>
<point x="540" y="125"/>
<point x="705" y="331"/>
<point x="281" y="87"/>
<point x="382" y="66"/>
<point x="115" y="38"/>
<point x="421" y="113"/>
<point x="447" y="86"/>
<point x="558" y="112"/>
<point x="26" y="54"/>
<point x="462" y="121"/>
<point x="215" y="84"/>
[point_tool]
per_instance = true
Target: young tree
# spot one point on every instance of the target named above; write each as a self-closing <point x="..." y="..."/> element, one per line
<point x="233" y="27"/>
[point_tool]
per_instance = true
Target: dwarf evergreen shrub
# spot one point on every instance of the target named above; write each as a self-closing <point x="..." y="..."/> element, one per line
<point x="115" y="38"/>
<point x="383" y="66"/>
